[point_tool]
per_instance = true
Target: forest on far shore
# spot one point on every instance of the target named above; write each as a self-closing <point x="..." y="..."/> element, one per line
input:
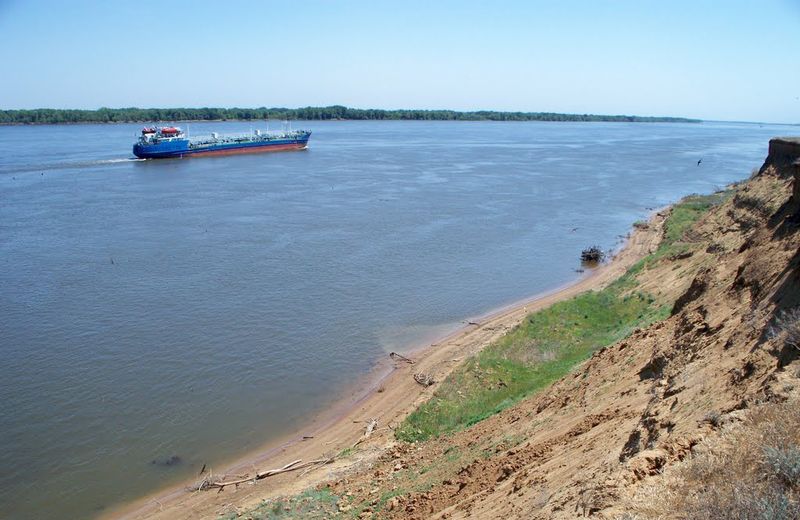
<point x="336" y="112"/>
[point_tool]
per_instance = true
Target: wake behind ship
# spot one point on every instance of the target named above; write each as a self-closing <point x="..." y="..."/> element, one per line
<point x="166" y="142"/>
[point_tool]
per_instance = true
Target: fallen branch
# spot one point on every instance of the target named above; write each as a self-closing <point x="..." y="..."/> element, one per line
<point x="210" y="483"/>
<point x="292" y="466"/>
<point x="373" y="423"/>
<point x="370" y="428"/>
<point x="321" y="463"/>
<point x="398" y="357"/>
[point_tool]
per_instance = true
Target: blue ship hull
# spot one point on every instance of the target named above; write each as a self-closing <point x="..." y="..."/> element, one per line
<point x="184" y="147"/>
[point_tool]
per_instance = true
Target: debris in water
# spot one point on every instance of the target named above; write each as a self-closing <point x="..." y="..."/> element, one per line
<point x="167" y="461"/>
<point x="592" y="254"/>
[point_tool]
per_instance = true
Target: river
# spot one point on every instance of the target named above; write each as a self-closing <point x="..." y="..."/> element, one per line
<point x="156" y="316"/>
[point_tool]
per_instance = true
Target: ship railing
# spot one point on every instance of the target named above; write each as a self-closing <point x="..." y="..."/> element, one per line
<point x="251" y="135"/>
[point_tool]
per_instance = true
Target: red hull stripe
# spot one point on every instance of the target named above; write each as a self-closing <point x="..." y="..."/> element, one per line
<point x="250" y="149"/>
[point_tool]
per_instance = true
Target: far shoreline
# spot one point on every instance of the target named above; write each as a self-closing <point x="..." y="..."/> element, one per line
<point x="42" y="115"/>
<point x="169" y="121"/>
<point x="341" y="424"/>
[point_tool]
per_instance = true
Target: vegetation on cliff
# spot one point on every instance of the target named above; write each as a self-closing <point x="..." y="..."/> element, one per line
<point x="123" y="115"/>
<point x="529" y="358"/>
<point x="551" y="342"/>
<point x="751" y="471"/>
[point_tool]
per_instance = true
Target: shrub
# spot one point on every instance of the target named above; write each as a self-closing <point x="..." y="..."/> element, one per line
<point x="714" y="418"/>
<point x="783" y="463"/>
<point x="787" y="327"/>
<point x="751" y="471"/>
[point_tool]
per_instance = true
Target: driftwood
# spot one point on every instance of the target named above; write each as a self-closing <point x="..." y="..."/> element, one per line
<point x="397" y="357"/>
<point x="424" y="379"/>
<point x="370" y="428"/>
<point x="321" y="462"/>
<point x="210" y="483"/>
<point x="373" y="423"/>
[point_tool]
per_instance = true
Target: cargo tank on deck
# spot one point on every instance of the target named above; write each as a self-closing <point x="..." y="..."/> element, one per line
<point x="170" y="141"/>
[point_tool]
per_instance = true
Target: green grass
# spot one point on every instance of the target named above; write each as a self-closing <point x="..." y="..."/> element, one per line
<point x="551" y="342"/>
<point x="530" y="357"/>
<point x="682" y="217"/>
<point x="312" y="503"/>
<point x="686" y="213"/>
<point x="346" y="452"/>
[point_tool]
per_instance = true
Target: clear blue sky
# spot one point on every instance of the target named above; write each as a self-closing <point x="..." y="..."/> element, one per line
<point x="729" y="60"/>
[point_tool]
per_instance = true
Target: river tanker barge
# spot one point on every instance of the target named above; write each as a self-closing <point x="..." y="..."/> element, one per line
<point x="170" y="141"/>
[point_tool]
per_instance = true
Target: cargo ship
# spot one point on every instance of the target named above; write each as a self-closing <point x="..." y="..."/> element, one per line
<point x="169" y="141"/>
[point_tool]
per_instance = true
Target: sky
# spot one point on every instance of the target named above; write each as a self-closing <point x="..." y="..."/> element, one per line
<point x="731" y="60"/>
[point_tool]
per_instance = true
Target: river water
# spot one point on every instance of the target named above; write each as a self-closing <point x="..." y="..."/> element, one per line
<point x="156" y="316"/>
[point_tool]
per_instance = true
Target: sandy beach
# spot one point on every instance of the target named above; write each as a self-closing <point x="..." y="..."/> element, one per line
<point x="387" y="396"/>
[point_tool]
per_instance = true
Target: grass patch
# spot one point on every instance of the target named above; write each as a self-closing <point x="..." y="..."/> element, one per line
<point x="551" y="342"/>
<point x="312" y="503"/>
<point x="530" y="357"/>
<point x="386" y="496"/>
<point x="681" y="219"/>
<point x="346" y="452"/>
<point x="685" y="213"/>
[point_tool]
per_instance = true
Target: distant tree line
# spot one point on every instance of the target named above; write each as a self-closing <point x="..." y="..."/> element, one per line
<point x="127" y="115"/>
